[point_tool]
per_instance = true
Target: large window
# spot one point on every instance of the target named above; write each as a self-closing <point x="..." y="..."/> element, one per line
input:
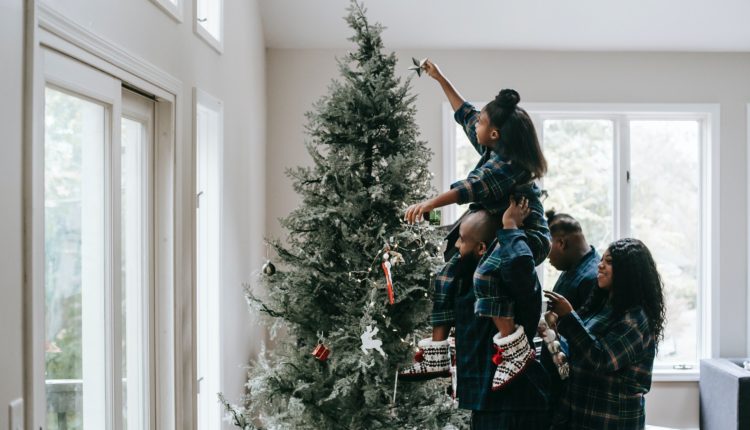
<point x="98" y="280"/>
<point x="634" y="171"/>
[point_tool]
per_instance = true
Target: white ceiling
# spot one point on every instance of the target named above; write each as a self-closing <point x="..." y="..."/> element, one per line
<point x="600" y="25"/>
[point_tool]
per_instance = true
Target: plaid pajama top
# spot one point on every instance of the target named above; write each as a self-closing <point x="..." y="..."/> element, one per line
<point x="611" y="359"/>
<point x="576" y="285"/>
<point x="494" y="179"/>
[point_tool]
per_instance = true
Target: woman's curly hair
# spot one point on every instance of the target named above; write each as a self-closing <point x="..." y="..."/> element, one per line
<point x="636" y="282"/>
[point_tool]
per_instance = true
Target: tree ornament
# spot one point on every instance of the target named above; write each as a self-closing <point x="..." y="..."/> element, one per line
<point x="369" y="342"/>
<point x="390" y="259"/>
<point x="321" y="352"/>
<point x="418" y="66"/>
<point x="386" y="265"/>
<point x="268" y="268"/>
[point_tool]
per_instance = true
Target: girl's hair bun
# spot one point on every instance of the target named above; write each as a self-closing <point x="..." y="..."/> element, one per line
<point x="508" y="98"/>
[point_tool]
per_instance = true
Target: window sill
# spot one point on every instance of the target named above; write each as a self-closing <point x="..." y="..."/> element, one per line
<point x="672" y="375"/>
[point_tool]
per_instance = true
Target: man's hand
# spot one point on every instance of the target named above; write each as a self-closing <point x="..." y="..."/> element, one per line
<point x="558" y="304"/>
<point x="516" y="213"/>
<point x="414" y="212"/>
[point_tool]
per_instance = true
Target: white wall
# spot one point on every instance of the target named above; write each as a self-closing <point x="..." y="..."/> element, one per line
<point x="296" y="78"/>
<point x="237" y="78"/>
<point x="11" y="226"/>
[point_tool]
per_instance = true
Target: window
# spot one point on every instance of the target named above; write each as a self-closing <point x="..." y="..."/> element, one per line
<point x="173" y="8"/>
<point x="97" y="249"/>
<point x="209" y="22"/>
<point x="634" y="171"/>
<point x="209" y="141"/>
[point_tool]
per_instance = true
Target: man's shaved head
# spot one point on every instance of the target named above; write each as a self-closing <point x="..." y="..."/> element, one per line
<point x="481" y="226"/>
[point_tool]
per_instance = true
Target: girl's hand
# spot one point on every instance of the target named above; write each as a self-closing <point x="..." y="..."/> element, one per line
<point x="414" y="212"/>
<point x="558" y="304"/>
<point x="432" y="69"/>
<point x="516" y="213"/>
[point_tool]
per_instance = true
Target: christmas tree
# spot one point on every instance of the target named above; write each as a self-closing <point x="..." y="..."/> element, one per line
<point x="353" y="288"/>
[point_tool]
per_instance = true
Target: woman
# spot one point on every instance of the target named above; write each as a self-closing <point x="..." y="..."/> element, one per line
<point x="612" y="341"/>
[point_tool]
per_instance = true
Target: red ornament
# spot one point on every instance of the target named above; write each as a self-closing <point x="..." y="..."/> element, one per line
<point x="498" y="357"/>
<point x="388" y="280"/>
<point x="321" y="352"/>
<point x="419" y="356"/>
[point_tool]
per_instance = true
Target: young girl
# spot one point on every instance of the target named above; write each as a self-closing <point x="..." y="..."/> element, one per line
<point x="511" y="159"/>
<point x="612" y="341"/>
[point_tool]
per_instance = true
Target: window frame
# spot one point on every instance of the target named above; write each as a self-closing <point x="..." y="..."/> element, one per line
<point x="621" y="114"/>
<point x="171" y="404"/>
<point x="747" y="166"/>
<point x="174" y="11"/>
<point x="202" y="33"/>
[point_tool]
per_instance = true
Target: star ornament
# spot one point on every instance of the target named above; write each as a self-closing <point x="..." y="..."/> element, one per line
<point x="418" y="66"/>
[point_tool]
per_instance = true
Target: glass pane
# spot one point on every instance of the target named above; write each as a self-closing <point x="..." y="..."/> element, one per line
<point x="665" y="176"/>
<point x="209" y="17"/>
<point x="134" y="275"/>
<point x="580" y="180"/>
<point x="74" y="261"/>
<point x="466" y="158"/>
<point x="208" y="282"/>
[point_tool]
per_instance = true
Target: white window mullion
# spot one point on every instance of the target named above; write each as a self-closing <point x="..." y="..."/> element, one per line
<point x="113" y="266"/>
<point x="93" y="282"/>
<point x="622" y="178"/>
<point x="137" y="284"/>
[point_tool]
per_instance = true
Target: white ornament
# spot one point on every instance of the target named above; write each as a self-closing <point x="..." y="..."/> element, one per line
<point x="369" y="342"/>
<point x="550" y="335"/>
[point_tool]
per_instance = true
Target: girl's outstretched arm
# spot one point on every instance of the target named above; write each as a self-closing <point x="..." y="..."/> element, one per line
<point x="451" y="92"/>
<point x="414" y="212"/>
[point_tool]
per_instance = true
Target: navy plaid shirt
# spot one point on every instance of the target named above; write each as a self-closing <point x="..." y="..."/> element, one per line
<point x="474" y="348"/>
<point x="494" y="179"/>
<point x="577" y="283"/>
<point x="611" y="359"/>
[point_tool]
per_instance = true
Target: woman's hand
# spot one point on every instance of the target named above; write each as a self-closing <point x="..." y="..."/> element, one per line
<point x="414" y="212"/>
<point x="558" y="304"/>
<point x="515" y="214"/>
<point x="432" y="69"/>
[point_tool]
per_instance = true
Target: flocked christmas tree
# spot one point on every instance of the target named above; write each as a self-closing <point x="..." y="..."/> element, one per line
<point x="346" y="332"/>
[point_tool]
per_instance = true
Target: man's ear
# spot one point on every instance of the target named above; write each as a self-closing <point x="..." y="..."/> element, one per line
<point x="563" y="243"/>
<point x="494" y="134"/>
<point x="481" y="248"/>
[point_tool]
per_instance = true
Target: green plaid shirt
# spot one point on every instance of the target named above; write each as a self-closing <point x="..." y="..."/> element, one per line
<point x="495" y="179"/>
<point x="611" y="359"/>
